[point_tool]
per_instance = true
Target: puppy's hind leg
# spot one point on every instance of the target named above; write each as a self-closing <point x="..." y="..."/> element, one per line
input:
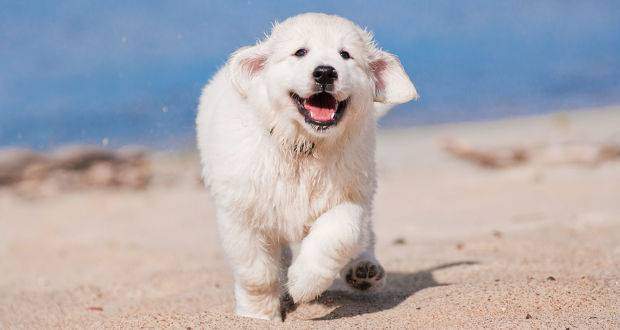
<point x="256" y="266"/>
<point x="335" y="238"/>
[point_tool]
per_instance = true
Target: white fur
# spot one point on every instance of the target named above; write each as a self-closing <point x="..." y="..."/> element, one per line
<point x="277" y="180"/>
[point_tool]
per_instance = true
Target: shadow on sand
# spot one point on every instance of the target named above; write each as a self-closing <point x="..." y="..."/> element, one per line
<point x="400" y="286"/>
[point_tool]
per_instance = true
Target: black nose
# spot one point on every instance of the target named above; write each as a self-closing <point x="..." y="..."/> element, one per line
<point x="325" y="74"/>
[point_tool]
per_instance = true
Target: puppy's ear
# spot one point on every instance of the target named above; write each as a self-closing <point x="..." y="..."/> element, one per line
<point x="392" y="85"/>
<point x="246" y="64"/>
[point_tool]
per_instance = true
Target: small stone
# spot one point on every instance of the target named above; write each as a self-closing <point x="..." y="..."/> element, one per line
<point x="528" y="316"/>
<point x="550" y="278"/>
<point x="399" y="241"/>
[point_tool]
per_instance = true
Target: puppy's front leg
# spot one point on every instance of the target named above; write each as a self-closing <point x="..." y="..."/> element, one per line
<point x="255" y="260"/>
<point x="336" y="237"/>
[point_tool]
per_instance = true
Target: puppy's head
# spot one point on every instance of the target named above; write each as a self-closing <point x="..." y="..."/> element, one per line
<point x="319" y="72"/>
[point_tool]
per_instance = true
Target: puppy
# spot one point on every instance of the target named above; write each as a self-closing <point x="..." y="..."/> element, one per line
<point x="286" y="132"/>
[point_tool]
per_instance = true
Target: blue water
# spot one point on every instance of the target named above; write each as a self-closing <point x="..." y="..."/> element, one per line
<point x="79" y="71"/>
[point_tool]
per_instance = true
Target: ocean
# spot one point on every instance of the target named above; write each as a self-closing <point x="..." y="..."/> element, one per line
<point x="131" y="72"/>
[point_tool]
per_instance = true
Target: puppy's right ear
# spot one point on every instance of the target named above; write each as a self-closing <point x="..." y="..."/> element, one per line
<point x="245" y="65"/>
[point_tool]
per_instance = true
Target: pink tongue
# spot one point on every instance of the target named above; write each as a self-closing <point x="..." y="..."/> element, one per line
<point x="320" y="114"/>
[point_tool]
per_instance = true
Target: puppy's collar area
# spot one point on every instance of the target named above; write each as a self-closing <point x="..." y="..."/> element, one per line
<point x="298" y="148"/>
<point x="321" y="110"/>
<point x="304" y="147"/>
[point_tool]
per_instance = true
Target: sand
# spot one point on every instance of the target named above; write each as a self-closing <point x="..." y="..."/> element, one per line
<point x="533" y="245"/>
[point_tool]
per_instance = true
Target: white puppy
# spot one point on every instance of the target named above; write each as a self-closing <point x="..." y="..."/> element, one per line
<point x="286" y="131"/>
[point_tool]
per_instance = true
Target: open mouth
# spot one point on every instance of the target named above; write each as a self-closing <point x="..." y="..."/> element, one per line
<point x="321" y="110"/>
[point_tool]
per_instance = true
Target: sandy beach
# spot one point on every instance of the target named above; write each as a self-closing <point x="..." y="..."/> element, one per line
<point x="530" y="245"/>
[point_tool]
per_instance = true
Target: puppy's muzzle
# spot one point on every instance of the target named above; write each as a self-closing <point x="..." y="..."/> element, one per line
<point x="324" y="77"/>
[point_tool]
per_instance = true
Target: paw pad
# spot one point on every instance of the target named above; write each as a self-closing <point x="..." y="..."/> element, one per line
<point x="364" y="275"/>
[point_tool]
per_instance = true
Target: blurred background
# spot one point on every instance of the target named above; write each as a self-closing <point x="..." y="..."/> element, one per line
<point x="119" y="72"/>
<point x="498" y="191"/>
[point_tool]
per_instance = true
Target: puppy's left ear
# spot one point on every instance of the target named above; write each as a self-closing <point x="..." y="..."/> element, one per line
<point x="245" y="65"/>
<point x="392" y="84"/>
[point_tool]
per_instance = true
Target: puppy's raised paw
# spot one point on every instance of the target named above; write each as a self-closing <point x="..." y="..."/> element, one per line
<point x="365" y="276"/>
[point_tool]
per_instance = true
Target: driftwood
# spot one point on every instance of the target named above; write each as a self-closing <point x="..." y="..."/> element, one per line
<point x="489" y="158"/>
<point x="75" y="167"/>
<point x="15" y="163"/>
<point x="576" y="153"/>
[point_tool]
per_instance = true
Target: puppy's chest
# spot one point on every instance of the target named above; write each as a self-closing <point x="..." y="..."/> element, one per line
<point x="298" y="193"/>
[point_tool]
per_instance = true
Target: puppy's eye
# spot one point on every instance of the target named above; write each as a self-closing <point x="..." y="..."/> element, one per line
<point x="344" y="54"/>
<point x="301" y="52"/>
